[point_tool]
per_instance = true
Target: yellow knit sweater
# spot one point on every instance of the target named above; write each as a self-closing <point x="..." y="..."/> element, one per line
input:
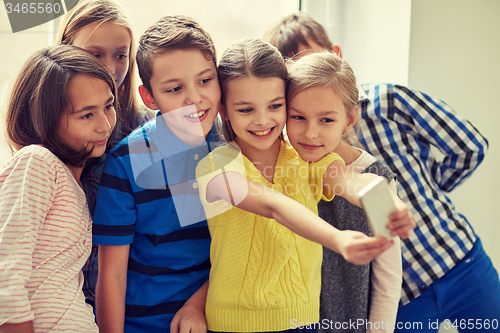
<point x="264" y="277"/>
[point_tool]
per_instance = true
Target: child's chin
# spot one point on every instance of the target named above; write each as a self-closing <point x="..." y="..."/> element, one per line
<point x="310" y="157"/>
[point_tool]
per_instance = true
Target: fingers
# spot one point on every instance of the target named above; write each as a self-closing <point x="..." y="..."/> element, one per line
<point x="402" y="223"/>
<point x="364" y="250"/>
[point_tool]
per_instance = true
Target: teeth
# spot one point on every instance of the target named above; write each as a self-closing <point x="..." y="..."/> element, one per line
<point x="196" y="115"/>
<point x="260" y="133"/>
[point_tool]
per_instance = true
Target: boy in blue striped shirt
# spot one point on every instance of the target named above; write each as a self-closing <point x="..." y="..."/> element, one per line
<point x="149" y="223"/>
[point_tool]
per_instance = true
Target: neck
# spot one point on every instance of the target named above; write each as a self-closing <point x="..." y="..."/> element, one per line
<point x="76" y="172"/>
<point x="263" y="160"/>
<point x="348" y="153"/>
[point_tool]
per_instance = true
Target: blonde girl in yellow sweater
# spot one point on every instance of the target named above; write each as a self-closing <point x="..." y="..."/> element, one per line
<point x="265" y="275"/>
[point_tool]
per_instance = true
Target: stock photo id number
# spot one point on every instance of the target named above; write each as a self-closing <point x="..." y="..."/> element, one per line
<point x="24" y="14"/>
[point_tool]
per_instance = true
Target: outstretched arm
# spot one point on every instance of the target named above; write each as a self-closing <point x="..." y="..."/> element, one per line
<point x="259" y="199"/>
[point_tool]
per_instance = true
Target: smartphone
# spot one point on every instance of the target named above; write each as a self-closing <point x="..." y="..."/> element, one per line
<point x="378" y="202"/>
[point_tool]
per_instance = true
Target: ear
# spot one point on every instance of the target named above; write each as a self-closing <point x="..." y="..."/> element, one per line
<point x="351" y="120"/>
<point x="147" y="98"/>
<point x="337" y="50"/>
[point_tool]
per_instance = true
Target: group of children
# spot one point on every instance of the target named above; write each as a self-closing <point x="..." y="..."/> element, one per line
<point x="255" y="266"/>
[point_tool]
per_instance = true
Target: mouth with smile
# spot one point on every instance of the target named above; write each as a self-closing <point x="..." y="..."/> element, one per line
<point x="263" y="134"/>
<point x="309" y="146"/>
<point x="198" y="116"/>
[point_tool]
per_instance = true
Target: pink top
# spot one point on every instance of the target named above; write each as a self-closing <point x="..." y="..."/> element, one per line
<point x="45" y="238"/>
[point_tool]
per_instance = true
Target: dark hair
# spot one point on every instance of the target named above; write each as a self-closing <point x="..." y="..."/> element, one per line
<point x="295" y="29"/>
<point x="176" y="32"/>
<point x="88" y="12"/>
<point x="249" y="57"/>
<point x="39" y="99"/>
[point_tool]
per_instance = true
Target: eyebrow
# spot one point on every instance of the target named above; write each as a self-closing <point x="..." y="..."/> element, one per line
<point x="203" y="72"/>
<point x="322" y="113"/>
<point x="271" y="101"/>
<point x="100" y="48"/>
<point x="92" y="107"/>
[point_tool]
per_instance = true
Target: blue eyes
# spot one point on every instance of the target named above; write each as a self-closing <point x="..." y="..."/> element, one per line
<point x="272" y="107"/>
<point x="323" y="120"/>
<point x="120" y="56"/>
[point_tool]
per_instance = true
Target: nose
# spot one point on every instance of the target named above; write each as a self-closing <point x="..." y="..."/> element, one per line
<point x="110" y="65"/>
<point x="193" y="96"/>
<point x="106" y="122"/>
<point x="311" y="131"/>
<point x="262" y="117"/>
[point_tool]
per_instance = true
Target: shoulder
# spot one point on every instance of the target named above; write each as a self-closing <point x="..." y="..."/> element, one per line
<point x="35" y="155"/>
<point x="227" y="157"/>
<point x="33" y="166"/>
<point x="144" y="115"/>
<point x="139" y="135"/>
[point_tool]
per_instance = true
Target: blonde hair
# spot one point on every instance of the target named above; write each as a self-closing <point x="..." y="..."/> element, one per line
<point x="87" y="12"/>
<point x="249" y="57"/>
<point x="324" y="69"/>
<point x="292" y="30"/>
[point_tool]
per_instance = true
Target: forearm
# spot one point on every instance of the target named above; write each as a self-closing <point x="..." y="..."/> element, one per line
<point x="345" y="182"/>
<point x="386" y="281"/>
<point x="199" y="298"/>
<point x="110" y="294"/>
<point x="26" y="327"/>
<point x="191" y="317"/>
<point x="304" y="222"/>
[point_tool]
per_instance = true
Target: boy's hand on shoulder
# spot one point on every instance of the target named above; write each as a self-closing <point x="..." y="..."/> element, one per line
<point x="189" y="319"/>
<point x="359" y="249"/>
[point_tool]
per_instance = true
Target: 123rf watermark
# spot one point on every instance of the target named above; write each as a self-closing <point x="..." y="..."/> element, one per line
<point x="327" y="324"/>
<point x="26" y="14"/>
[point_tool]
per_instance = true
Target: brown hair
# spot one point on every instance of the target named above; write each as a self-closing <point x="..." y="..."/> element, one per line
<point x="176" y="32"/>
<point x="39" y="99"/>
<point x="295" y="29"/>
<point x="324" y="69"/>
<point x="249" y="57"/>
<point x="87" y="12"/>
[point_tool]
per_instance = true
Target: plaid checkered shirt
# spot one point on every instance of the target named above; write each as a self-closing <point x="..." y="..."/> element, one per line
<point x="399" y="126"/>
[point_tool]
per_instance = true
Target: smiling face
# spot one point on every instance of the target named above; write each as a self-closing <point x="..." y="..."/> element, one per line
<point x="110" y="43"/>
<point x="91" y="115"/>
<point x="186" y="90"/>
<point x="256" y="110"/>
<point x="316" y="121"/>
